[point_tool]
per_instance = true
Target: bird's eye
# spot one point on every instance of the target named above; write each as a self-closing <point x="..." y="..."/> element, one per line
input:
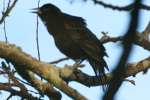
<point x="45" y="9"/>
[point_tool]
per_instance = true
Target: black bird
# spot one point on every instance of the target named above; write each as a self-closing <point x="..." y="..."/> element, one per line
<point x="73" y="38"/>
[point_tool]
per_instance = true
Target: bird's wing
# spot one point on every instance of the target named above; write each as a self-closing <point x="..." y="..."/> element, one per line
<point x="78" y="31"/>
<point x="95" y="51"/>
<point x="93" y="48"/>
<point x="86" y="40"/>
<point x="74" y="22"/>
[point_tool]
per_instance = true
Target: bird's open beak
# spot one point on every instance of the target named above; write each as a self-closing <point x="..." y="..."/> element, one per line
<point x="36" y="10"/>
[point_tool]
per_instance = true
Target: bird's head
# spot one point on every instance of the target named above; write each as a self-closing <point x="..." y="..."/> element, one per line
<point x="47" y="10"/>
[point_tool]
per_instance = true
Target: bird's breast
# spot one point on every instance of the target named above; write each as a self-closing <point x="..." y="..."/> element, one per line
<point x="68" y="47"/>
<point x="64" y="41"/>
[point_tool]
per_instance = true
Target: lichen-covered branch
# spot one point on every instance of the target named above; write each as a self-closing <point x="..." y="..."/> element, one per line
<point x="76" y="75"/>
<point x="43" y="87"/>
<point x="14" y="82"/>
<point x="56" y="75"/>
<point x="20" y="60"/>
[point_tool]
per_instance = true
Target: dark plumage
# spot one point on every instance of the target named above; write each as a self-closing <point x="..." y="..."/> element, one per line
<point x="73" y="38"/>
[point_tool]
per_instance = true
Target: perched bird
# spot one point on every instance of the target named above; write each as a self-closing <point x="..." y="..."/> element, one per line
<point x="73" y="38"/>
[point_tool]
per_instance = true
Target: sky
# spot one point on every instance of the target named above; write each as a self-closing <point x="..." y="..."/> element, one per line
<point x="21" y="28"/>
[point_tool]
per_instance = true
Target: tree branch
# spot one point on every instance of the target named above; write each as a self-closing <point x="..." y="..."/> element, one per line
<point x="141" y="39"/>
<point x="119" y="8"/>
<point x="8" y="10"/>
<point x="128" y="39"/>
<point x="42" y="87"/>
<point x="67" y="73"/>
<point x="8" y="87"/>
<point x="23" y="61"/>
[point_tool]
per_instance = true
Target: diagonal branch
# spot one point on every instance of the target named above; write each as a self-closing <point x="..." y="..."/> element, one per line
<point x="8" y="87"/>
<point x="8" y="10"/>
<point x="23" y="61"/>
<point x="128" y="39"/>
<point x="42" y="87"/>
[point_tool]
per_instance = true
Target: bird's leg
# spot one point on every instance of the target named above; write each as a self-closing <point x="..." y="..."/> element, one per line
<point x="77" y="64"/>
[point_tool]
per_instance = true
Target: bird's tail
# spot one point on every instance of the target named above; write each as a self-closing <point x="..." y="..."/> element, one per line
<point x="99" y="68"/>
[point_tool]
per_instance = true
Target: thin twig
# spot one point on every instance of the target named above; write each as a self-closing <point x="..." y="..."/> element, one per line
<point x="125" y="8"/>
<point x="59" y="60"/>
<point x="37" y="34"/>
<point x="129" y="7"/>
<point x="131" y="81"/>
<point x="8" y="10"/>
<point x="5" y="34"/>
